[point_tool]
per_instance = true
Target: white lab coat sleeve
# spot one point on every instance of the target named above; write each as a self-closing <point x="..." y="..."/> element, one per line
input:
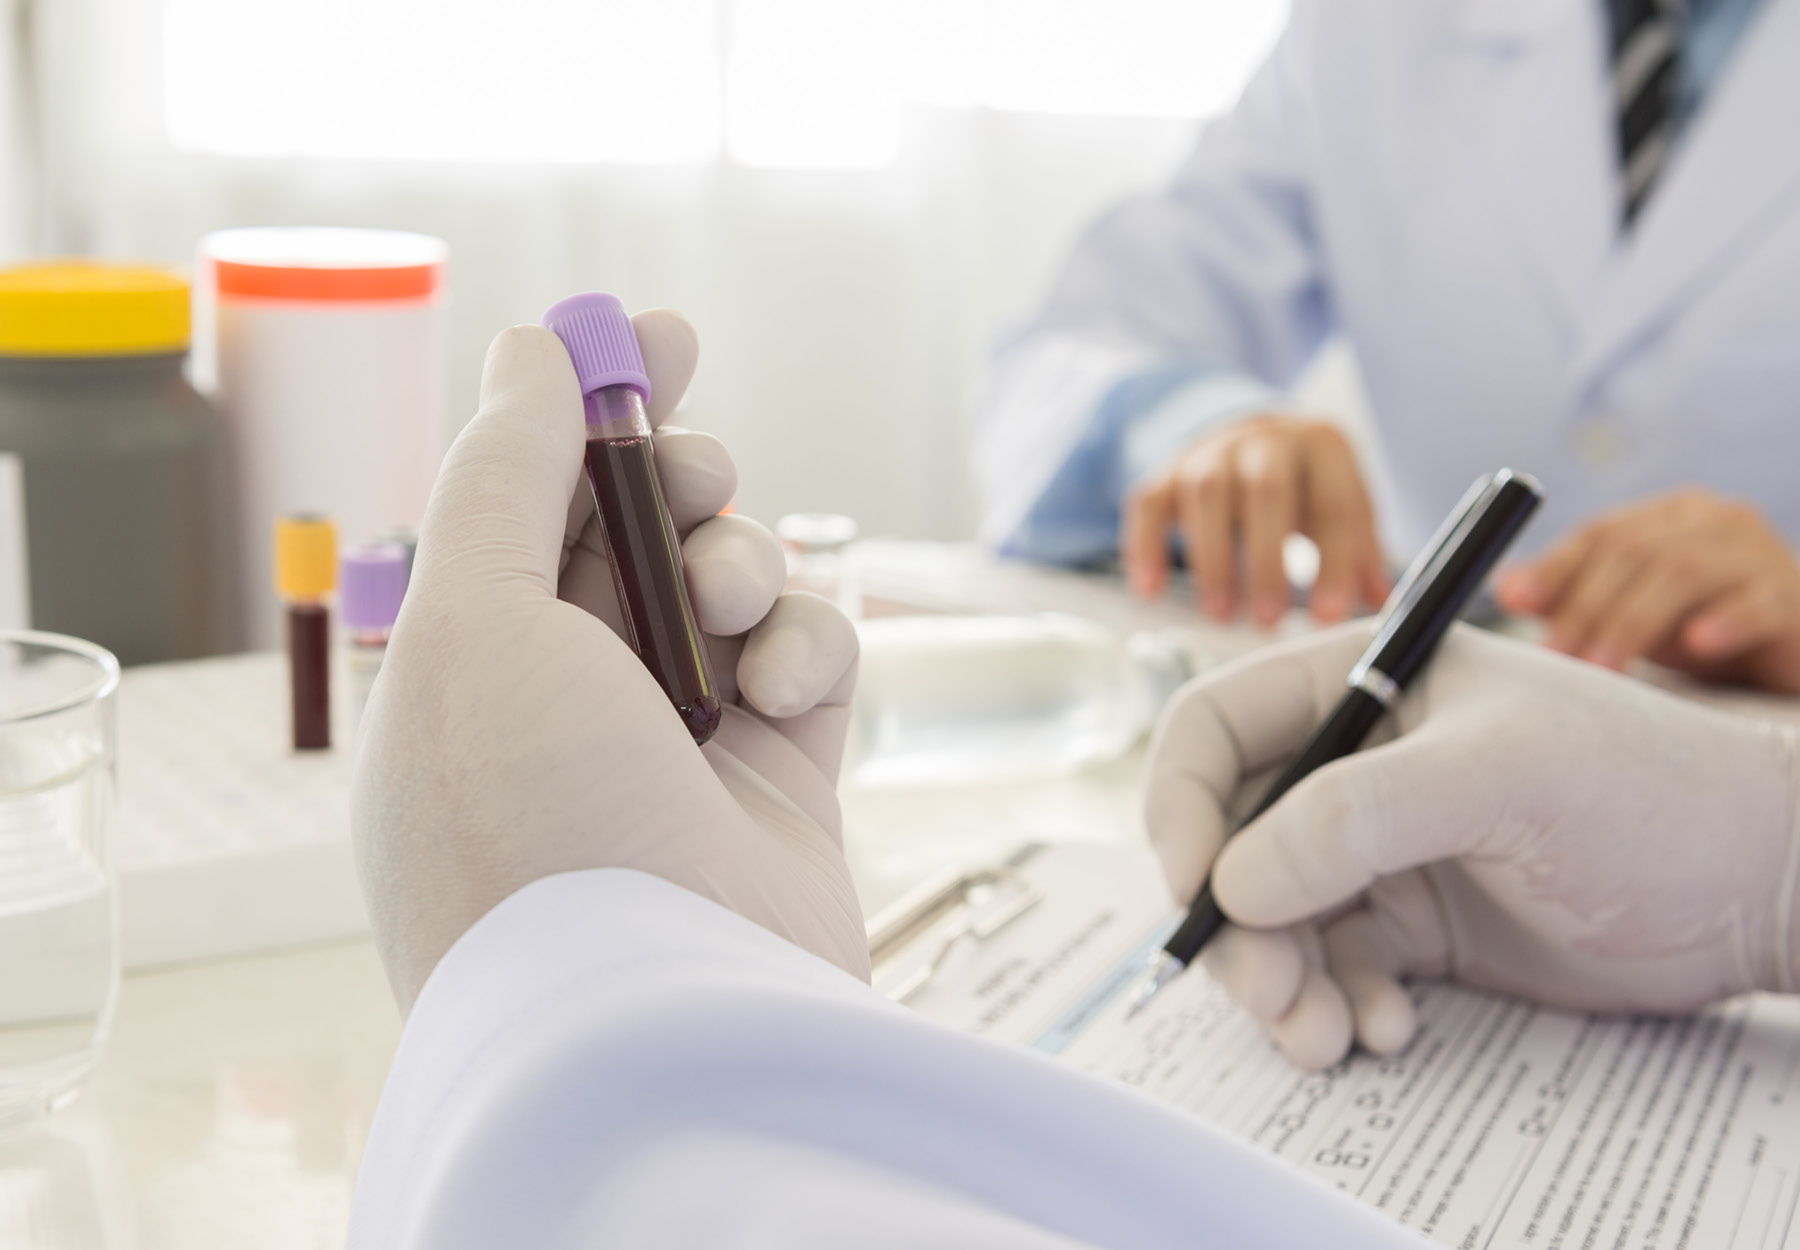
<point x="1220" y="272"/>
<point x="608" y="1060"/>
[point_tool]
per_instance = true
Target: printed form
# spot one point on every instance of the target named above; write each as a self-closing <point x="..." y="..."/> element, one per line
<point x="1502" y="1124"/>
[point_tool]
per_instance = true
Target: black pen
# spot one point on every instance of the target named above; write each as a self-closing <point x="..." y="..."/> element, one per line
<point x="1418" y="614"/>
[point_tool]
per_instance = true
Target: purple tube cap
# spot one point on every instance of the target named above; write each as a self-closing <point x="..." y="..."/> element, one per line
<point x="371" y="584"/>
<point x="600" y="340"/>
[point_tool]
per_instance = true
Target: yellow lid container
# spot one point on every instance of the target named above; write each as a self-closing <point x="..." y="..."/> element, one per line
<point x="84" y="308"/>
<point x="305" y="557"/>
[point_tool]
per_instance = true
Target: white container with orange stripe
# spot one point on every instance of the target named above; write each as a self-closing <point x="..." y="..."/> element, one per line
<point x="326" y="350"/>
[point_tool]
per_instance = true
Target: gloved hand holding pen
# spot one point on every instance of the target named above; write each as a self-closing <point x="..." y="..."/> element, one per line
<point x="1523" y="823"/>
<point x="512" y="734"/>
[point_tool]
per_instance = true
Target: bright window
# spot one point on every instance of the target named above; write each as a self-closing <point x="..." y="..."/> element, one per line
<point x="1155" y="58"/>
<point x="534" y="80"/>
<point x="812" y="83"/>
<point x="795" y="83"/>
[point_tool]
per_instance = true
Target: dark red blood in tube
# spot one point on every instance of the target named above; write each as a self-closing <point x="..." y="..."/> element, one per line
<point x="651" y="578"/>
<point x="309" y="660"/>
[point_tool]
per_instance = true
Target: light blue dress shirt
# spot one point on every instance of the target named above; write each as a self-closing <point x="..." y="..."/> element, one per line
<point x="1143" y="422"/>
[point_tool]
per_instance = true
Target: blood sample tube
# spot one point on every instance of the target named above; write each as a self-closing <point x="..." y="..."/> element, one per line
<point x="305" y="572"/>
<point x="641" y="543"/>
<point x="371" y="584"/>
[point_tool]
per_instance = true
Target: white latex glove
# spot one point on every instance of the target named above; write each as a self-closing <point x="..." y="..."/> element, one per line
<point x="1524" y="822"/>
<point x="512" y="734"/>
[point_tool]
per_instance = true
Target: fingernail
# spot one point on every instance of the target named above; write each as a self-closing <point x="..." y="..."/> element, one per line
<point x="1605" y="655"/>
<point x="1217" y="604"/>
<point x="1330" y="605"/>
<point x="1268" y="609"/>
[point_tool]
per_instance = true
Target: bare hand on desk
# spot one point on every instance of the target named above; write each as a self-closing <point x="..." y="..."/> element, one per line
<point x="1688" y="579"/>
<point x="1522" y="823"/>
<point x="1258" y="480"/>
<point x="512" y="734"/>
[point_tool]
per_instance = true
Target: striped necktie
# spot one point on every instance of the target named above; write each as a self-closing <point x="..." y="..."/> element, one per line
<point x="1646" y="45"/>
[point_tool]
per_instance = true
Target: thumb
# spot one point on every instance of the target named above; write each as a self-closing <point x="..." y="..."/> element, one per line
<point x="1361" y="818"/>
<point x="500" y="504"/>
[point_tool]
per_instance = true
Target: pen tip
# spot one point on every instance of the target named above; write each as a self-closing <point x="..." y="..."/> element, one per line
<point x="1163" y="969"/>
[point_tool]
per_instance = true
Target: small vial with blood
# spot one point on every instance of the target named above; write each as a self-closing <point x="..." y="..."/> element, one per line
<point x="641" y="544"/>
<point x="305" y="574"/>
<point x="371" y="583"/>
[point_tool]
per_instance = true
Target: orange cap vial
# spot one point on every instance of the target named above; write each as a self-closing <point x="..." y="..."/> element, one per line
<point x="305" y="557"/>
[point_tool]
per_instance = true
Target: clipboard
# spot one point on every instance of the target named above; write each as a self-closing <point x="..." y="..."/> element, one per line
<point x="1007" y="948"/>
<point x="953" y="906"/>
<point x="1503" y="1125"/>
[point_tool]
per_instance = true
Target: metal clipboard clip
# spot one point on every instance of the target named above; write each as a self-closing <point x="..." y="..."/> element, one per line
<point x="954" y="906"/>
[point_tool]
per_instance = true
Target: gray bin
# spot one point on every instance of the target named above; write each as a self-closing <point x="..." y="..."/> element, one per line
<point x="127" y="503"/>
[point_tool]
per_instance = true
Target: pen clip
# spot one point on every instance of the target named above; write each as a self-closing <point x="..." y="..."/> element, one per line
<point x="1417" y="576"/>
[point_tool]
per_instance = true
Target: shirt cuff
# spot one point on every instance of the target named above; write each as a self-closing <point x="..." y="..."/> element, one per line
<point x="1153" y="438"/>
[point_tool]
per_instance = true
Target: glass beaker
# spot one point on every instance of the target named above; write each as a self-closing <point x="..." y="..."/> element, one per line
<point x="817" y="546"/>
<point x="59" y="948"/>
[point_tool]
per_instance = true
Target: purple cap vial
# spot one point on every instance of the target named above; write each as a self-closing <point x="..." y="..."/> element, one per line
<point x="371" y="584"/>
<point x="601" y="343"/>
<point x="641" y="543"/>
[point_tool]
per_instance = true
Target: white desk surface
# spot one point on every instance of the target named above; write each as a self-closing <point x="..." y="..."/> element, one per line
<point x="234" y="1099"/>
<point x="235" y="1096"/>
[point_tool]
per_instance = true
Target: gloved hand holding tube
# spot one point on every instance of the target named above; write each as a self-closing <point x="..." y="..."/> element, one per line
<point x="642" y="546"/>
<point x="1523" y="822"/>
<point x="514" y="735"/>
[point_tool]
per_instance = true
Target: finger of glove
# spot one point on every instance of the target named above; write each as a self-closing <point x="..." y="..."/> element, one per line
<point x="498" y="509"/>
<point x="1367" y="962"/>
<point x="697" y="474"/>
<point x="819" y="734"/>
<point x="1225" y="727"/>
<point x="735" y="569"/>
<point x="1358" y="819"/>
<point x="671" y="349"/>
<point x="800" y="655"/>
<point x="1263" y="969"/>
<point x="1317" y="1030"/>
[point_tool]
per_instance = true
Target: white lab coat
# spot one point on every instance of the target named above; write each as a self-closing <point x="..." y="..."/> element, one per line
<point x="1438" y="179"/>
<point x="606" y="1060"/>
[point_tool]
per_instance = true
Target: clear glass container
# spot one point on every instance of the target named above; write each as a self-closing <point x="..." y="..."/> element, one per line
<point x="817" y="546"/>
<point x="59" y="948"/>
<point x="957" y="700"/>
